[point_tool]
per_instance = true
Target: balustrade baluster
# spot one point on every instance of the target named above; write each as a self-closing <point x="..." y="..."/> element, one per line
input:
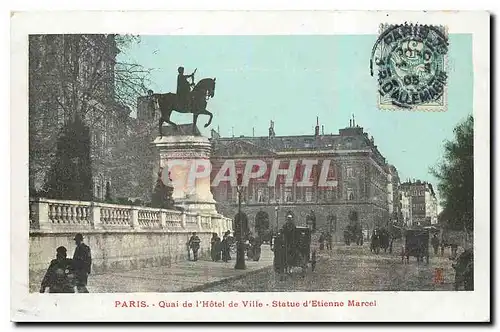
<point x="58" y="214"/>
<point x="85" y="214"/>
<point x="51" y="213"/>
<point x="72" y="213"/>
<point x="65" y="216"/>
<point x="78" y="215"/>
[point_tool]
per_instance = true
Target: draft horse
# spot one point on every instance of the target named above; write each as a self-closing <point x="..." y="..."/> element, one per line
<point x="169" y="102"/>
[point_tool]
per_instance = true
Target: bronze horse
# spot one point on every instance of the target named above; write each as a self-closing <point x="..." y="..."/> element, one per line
<point x="168" y="102"/>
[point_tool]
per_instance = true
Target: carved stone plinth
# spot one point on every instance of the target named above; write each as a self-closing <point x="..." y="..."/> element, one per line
<point x="187" y="160"/>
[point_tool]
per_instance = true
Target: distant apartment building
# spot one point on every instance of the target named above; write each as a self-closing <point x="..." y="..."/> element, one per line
<point x="361" y="173"/>
<point x="394" y="194"/>
<point x="406" y="204"/>
<point x="422" y="202"/>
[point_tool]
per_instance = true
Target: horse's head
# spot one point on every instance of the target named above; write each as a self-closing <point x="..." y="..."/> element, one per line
<point x="206" y="86"/>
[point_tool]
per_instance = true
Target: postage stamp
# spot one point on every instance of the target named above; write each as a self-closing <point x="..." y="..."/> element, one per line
<point x="412" y="66"/>
<point x="228" y="171"/>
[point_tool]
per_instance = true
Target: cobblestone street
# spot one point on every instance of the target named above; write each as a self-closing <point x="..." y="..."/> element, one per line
<point x="351" y="268"/>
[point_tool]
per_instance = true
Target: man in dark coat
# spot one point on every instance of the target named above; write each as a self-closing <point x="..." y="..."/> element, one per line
<point x="58" y="276"/>
<point x="464" y="270"/>
<point x="226" y="254"/>
<point x="215" y="247"/>
<point x="288" y="231"/>
<point x="82" y="263"/>
<point x="194" y="244"/>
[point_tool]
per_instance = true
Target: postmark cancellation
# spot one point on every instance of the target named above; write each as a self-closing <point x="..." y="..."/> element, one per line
<point x="411" y="67"/>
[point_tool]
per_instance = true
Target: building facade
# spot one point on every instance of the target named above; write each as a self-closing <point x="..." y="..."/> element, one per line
<point x="395" y="198"/>
<point x="406" y="208"/>
<point x="357" y="173"/>
<point x="73" y="75"/>
<point x="423" y="202"/>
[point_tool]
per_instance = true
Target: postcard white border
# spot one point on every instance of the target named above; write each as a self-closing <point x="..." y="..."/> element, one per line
<point x="409" y="306"/>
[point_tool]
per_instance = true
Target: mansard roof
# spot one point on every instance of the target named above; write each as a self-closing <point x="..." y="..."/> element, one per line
<point x="230" y="148"/>
<point x="348" y="139"/>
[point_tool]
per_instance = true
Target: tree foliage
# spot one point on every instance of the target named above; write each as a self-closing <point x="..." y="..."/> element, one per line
<point x="162" y="195"/>
<point x="79" y="74"/>
<point x="107" y="197"/>
<point x="456" y="178"/>
<point x="70" y="176"/>
<point x="261" y="222"/>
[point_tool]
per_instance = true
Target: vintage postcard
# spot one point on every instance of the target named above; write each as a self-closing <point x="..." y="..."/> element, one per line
<point x="312" y="166"/>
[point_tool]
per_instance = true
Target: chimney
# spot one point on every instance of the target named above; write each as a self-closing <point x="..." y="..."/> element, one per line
<point x="350" y="123"/>
<point x="322" y="130"/>
<point x="316" y="129"/>
<point x="271" y="129"/>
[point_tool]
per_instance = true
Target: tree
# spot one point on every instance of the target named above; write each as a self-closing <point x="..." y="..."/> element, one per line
<point x="107" y="197"/>
<point x="162" y="195"/>
<point x="456" y="178"/>
<point x="78" y="74"/>
<point x="261" y="223"/>
<point x="70" y="176"/>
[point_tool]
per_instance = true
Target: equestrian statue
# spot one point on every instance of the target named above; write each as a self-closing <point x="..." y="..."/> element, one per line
<point x="190" y="98"/>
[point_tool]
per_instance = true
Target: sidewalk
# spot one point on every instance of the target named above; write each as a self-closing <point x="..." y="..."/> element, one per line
<point x="181" y="276"/>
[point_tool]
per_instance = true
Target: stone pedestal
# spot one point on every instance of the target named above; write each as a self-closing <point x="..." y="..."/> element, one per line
<point x="187" y="160"/>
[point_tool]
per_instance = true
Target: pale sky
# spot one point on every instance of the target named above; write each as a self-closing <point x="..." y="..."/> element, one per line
<point x="293" y="79"/>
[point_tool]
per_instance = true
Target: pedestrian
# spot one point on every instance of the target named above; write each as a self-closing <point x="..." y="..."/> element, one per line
<point x="218" y="249"/>
<point x="329" y="241"/>
<point x="435" y="244"/>
<point x="464" y="270"/>
<point x="322" y="241"/>
<point x="225" y="247"/>
<point x="58" y="276"/>
<point x="214" y="246"/>
<point x="454" y="249"/>
<point x="194" y="244"/>
<point x="82" y="263"/>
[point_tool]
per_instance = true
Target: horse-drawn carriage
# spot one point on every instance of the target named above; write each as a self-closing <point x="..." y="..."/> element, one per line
<point x="381" y="239"/>
<point x="416" y="245"/>
<point x="295" y="248"/>
<point x="353" y="234"/>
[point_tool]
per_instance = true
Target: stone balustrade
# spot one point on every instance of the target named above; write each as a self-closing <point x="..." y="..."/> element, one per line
<point x="121" y="237"/>
<point x="61" y="215"/>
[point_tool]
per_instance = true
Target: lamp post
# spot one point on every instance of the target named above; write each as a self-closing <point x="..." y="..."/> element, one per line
<point x="276" y="210"/>
<point x="240" y="252"/>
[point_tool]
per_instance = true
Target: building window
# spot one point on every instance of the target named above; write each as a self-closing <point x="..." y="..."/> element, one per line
<point x="308" y="195"/>
<point x="262" y="195"/>
<point x="350" y="194"/>
<point x="288" y="194"/>
<point x="349" y="172"/>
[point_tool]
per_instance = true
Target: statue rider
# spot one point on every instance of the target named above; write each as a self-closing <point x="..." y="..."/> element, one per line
<point x="184" y="88"/>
